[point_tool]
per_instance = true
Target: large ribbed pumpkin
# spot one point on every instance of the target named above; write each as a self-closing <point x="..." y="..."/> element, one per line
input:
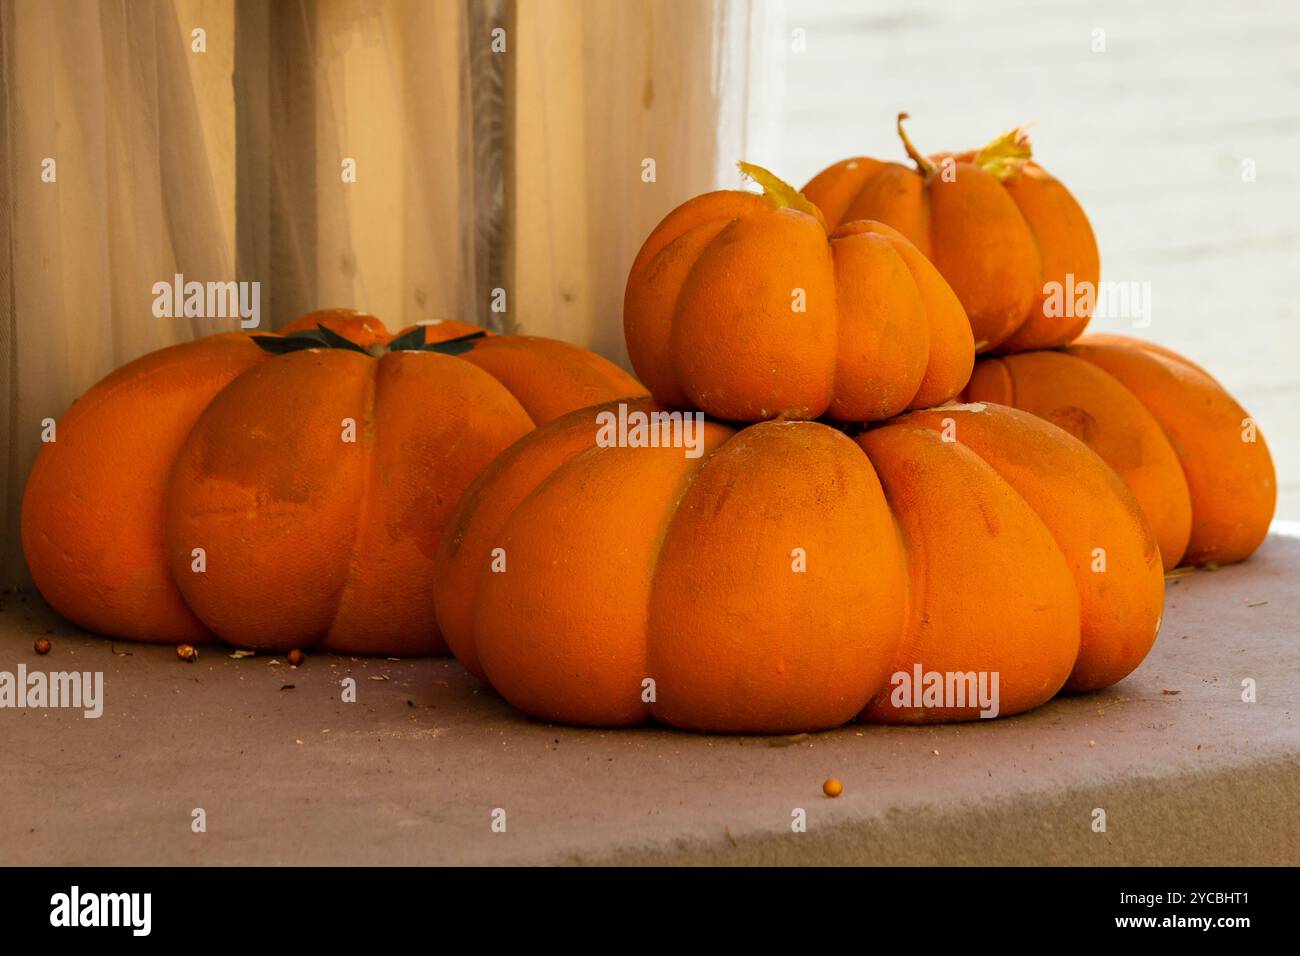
<point x="1194" y="459"/>
<point x="285" y="500"/>
<point x="998" y="226"/>
<point x="781" y="580"/>
<point x="746" y="307"/>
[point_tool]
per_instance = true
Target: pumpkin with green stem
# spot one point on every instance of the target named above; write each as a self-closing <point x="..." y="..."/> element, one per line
<point x="748" y="307"/>
<point x="1010" y="239"/>
<point x="282" y="491"/>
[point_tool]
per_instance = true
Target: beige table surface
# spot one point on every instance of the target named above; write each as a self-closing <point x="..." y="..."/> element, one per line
<point x="411" y="773"/>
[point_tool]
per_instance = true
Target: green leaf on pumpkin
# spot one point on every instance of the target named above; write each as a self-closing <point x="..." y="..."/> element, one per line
<point x="412" y="339"/>
<point x="334" y="340"/>
<point x="317" y="338"/>
<point x="457" y="346"/>
<point x="283" y="344"/>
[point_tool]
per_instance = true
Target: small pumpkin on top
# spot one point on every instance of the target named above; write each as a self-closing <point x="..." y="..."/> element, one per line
<point x="1002" y="230"/>
<point x="748" y="307"/>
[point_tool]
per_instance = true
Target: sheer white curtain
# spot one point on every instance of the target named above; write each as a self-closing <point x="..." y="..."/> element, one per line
<point x="496" y="144"/>
<point x="355" y="159"/>
<point x="600" y="90"/>
<point x="108" y="185"/>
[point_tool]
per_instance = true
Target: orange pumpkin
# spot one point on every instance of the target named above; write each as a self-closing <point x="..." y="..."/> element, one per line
<point x="746" y="307"/>
<point x="781" y="580"/>
<point x="998" y="226"/>
<point x="1194" y="459"/>
<point x="284" y="500"/>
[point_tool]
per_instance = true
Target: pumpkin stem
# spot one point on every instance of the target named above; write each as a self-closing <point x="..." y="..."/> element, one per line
<point x="923" y="164"/>
<point x="1003" y="157"/>
<point x="779" y="193"/>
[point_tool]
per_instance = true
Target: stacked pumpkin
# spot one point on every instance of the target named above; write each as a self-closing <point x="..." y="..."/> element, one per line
<point x="800" y="573"/>
<point x="1004" y="232"/>
<point x="868" y="523"/>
